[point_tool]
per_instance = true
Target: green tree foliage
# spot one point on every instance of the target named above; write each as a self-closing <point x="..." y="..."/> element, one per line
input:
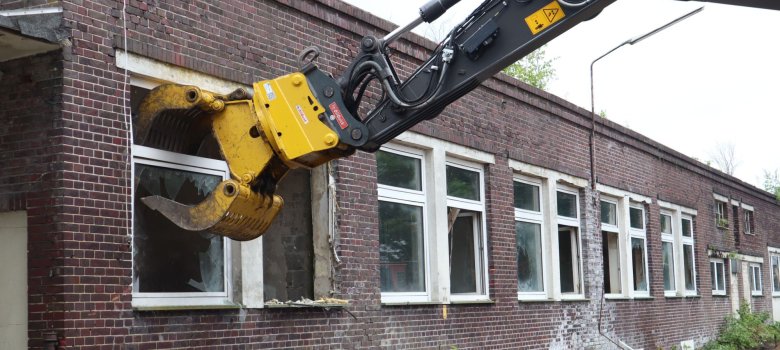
<point x="772" y="182"/>
<point x="535" y="69"/>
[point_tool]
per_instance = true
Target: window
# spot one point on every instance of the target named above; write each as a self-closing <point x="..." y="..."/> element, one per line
<point x="638" y="250"/>
<point x="465" y="202"/>
<point x="529" y="239"/>
<point x="570" y="269"/>
<point x="624" y="244"/>
<point x="721" y="214"/>
<point x="689" y="259"/>
<point x="678" y="250"/>
<point x="749" y="221"/>
<point x="432" y="233"/>
<point x="402" y="233"/>
<point x="667" y="253"/>
<point x="548" y="242"/>
<point x="178" y="267"/>
<point x="718" y="276"/>
<point x="755" y="279"/>
<point x="774" y="259"/>
<point x="610" y="247"/>
<point x="243" y="279"/>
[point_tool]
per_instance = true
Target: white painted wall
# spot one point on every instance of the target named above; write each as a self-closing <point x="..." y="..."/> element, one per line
<point x="13" y="273"/>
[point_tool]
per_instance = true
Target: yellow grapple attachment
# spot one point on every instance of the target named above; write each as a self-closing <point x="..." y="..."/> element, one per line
<point x="260" y="138"/>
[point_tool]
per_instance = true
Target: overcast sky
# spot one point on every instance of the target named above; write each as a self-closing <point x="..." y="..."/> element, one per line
<point x="711" y="79"/>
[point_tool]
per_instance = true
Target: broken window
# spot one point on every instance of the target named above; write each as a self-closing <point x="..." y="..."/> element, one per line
<point x="180" y="268"/>
<point x="168" y="259"/>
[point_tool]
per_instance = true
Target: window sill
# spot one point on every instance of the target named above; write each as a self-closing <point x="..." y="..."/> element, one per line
<point x="691" y="296"/>
<point x="187" y="307"/>
<point x="624" y="298"/>
<point x="575" y="299"/>
<point x="757" y="295"/>
<point x="304" y="306"/>
<point x="720" y="295"/>
<point x="467" y="302"/>
<point x="410" y="303"/>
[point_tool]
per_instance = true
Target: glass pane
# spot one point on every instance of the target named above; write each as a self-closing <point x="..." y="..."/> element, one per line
<point x="666" y="224"/>
<point x="462" y="183"/>
<point x="526" y="196"/>
<point x="608" y="213"/>
<point x="713" y="277"/>
<point x="775" y="273"/>
<point x="687" y="229"/>
<point x="690" y="284"/>
<point x="401" y="247"/>
<point x="638" y="264"/>
<point x="569" y="255"/>
<point x="168" y="259"/>
<point x="567" y="205"/>
<point x="529" y="257"/>
<point x="637" y="218"/>
<point x="756" y="280"/>
<point x="611" y="255"/>
<point x="398" y="171"/>
<point x="721" y="277"/>
<point x="668" y="261"/>
<point x="463" y="272"/>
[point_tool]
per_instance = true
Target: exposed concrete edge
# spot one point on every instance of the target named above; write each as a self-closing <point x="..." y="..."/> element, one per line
<point x="46" y="26"/>
<point x="537" y="98"/>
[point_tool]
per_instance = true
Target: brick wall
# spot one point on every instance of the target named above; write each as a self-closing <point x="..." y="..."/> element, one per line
<point x="82" y="289"/>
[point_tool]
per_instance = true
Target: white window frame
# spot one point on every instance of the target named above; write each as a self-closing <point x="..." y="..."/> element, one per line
<point x="718" y="289"/>
<point x="415" y="198"/>
<point x="688" y="241"/>
<point x="573" y="223"/>
<point x="774" y="255"/>
<point x="670" y="238"/>
<point x="480" y="233"/>
<point x="538" y="218"/>
<point x="437" y="154"/>
<point x="639" y="233"/>
<point x="552" y="182"/>
<point x="678" y="213"/>
<point x="622" y="256"/>
<point x="756" y="287"/>
<point x="170" y="160"/>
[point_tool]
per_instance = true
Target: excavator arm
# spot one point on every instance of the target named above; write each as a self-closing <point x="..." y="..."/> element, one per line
<point x="308" y="118"/>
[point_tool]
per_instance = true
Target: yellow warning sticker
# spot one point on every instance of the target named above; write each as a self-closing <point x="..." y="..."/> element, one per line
<point x="545" y="17"/>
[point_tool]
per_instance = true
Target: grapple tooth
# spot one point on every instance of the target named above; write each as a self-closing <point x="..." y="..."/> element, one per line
<point x="232" y="210"/>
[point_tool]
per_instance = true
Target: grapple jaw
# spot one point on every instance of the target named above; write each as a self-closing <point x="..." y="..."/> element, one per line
<point x="260" y="138"/>
<point x="232" y="210"/>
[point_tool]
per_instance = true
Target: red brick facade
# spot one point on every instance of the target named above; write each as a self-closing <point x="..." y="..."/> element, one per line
<point x="64" y="159"/>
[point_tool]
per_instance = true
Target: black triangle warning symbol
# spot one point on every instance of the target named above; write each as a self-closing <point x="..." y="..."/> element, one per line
<point x="550" y="13"/>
